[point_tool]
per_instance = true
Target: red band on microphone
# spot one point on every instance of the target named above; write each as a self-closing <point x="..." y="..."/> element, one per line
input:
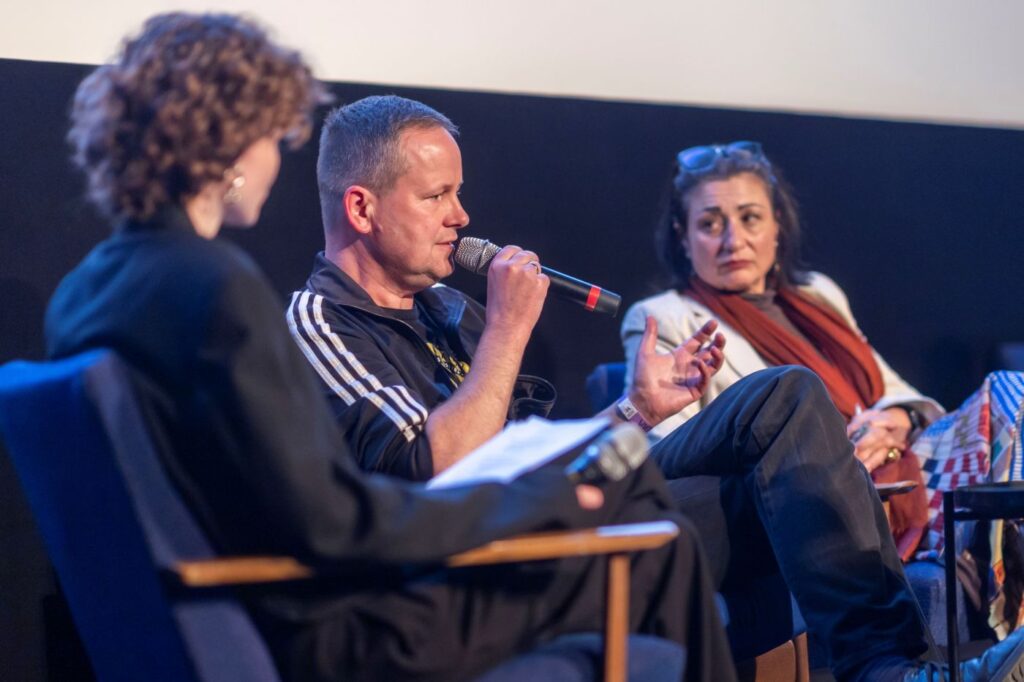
<point x="595" y="293"/>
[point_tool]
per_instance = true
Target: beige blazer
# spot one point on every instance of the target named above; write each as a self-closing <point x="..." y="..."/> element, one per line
<point x="679" y="316"/>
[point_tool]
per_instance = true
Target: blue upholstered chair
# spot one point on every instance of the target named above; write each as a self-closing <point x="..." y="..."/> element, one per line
<point x="117" y="532"/>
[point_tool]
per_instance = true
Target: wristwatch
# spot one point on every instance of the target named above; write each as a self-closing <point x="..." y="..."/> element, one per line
<point x="917" y="423"/>
<point x="627" y="411"/>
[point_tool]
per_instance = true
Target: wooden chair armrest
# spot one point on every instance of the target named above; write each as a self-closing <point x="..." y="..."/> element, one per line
<point x="618" y="539"/>
<point x="242" y="570"/>
<point x="887" y="490"/>
<point x="632" y="537"/>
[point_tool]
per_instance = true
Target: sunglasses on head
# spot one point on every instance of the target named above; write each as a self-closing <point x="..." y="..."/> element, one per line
<point x="704" y="157"/>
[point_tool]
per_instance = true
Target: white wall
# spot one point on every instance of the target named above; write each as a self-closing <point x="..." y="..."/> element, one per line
<point x="933" y="60"/>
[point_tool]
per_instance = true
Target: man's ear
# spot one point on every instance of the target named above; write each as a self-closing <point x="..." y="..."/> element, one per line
<point x="359" y="204"/>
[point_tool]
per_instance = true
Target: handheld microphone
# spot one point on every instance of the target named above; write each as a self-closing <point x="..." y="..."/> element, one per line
<point x="611" y="457"/>
<point x="476" y="254"/>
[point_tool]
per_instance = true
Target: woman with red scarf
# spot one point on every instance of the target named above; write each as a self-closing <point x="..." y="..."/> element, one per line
<point x="731" y="241"/>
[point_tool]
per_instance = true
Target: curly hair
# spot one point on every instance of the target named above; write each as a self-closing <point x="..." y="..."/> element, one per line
<point x="180" y="104"/>
<point x="673" y="220"/>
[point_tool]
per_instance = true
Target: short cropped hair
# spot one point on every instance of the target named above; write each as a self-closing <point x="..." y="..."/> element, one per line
<point x="178" y="106"/>
<point x="359" y="144"/>
<point x="672" y="224"/>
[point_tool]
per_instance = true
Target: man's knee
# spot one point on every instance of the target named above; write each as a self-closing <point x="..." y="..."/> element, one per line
<point x="787" y="395"/>
<point x="797" y="382"/>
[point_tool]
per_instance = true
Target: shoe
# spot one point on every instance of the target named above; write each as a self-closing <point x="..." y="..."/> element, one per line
<point x="1004" y="662"/>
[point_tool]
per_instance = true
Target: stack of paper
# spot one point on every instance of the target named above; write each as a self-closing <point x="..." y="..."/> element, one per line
<point x="521" y="447"/>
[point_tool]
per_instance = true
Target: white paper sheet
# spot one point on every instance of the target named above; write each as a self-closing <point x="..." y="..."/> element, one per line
<point x="521" y="447"/>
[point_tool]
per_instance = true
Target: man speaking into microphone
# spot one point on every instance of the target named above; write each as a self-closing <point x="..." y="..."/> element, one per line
<point x="395" y="351"/>
<point x="419" y="375"/>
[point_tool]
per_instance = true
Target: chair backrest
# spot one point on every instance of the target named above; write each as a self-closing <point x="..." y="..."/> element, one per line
<point x="605" y="384"/>
<point x="111" y="520"/>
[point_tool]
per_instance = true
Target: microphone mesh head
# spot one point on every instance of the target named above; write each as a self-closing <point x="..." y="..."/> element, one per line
<point x="626" y="449"/>
<point x="475" y="254"/>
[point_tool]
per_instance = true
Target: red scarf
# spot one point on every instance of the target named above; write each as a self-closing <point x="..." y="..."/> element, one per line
<point x="843" y="360"/>
<point x="840" y="356"/>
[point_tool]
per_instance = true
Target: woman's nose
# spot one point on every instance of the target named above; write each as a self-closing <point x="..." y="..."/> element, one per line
<point x="730" y="237"/>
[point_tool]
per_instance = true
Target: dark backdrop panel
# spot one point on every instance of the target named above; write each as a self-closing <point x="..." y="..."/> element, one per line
<point x="918" y="222"/>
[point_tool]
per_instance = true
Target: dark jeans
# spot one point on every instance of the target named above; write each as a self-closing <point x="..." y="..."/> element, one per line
<point x="768" y="476"/>
<point x="455" y="624"/>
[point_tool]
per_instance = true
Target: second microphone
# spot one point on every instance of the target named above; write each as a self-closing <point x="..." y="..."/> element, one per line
<point x="475" y="255"/>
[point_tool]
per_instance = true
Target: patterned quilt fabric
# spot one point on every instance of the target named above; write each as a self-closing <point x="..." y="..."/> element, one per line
<point x="979" y="443"/>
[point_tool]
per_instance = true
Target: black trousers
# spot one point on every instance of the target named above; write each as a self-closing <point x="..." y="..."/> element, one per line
<point x="768" y="476"/>
<point x="456" y="624"/>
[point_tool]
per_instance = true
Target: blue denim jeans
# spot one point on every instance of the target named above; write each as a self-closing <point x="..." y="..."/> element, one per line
<point x="769" y="478"/>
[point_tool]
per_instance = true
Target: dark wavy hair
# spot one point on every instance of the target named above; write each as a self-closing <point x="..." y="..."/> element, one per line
<point x="180" y="104"/>
<point x="672" y="224"/>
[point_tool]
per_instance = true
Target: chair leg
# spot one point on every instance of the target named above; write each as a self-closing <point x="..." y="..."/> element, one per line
<point x="776" y="665"/>
<point x="616" y="619"/>
<point x="803" y="661"/>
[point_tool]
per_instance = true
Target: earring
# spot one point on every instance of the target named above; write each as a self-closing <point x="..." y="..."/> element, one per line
<point x="680" y="236"/>
<point x="235" y="185"/>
